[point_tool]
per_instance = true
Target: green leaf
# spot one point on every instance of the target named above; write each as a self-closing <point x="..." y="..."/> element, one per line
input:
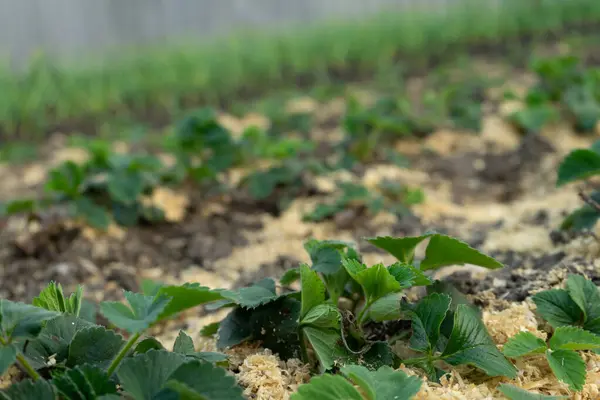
<point x="516" y="393"/>
<point x="323" y="316"/>
<point x="144" y="375"/>
<point x="186" y="296"/>
<point x="444" y="250"/>
<point x="95" y="345"/>
<point x="93" y="214"/>
<point x="22" y="321"/>
<point x="408" y="275"/>
<point x="327" y="345"/>
<point x="290" y="276"/>
<point x="210" y="329"/>
<point x="586" y="295"/>
<point x="234" y="329"/>
<point x="274" y="324"/>
<point x="18" y="206"/>
<point x="52" y="298"/>
<point x="573" y="338"/>
<point x="353" y="267"/>
<point x="568" y="367"/>
<point x="471" y="344"/>
<point x="583" y="218"/>
<point x="326" y="255"/>
<point x="336" y="283"/>
<point x="579" y="164"/>
<point x="54" y="340"/>
<point x="84" y="382"/>
<point x="183" y="344"/>
<point x="401" y="248"/>
<point x="376" y="281"/>
<point x="327" y="387"/>
<point x="209" y="356"/>
<point x="143" y="311"/>
<point x="250" y="297"/>
<point x="385" y="383"/>
<point x="27" y="390"/>
<point x="148" y="344"/>
<point x="386" y="308"/>
<point x="150" y="287"/>
<point x="427" y="320"/>
<point x="313" y="290"/>
<point x="207" y="380"/>
<point x="557" y="307"/>
<point x="523" y="344"/>
<point x="8" y="356"/>
<point x="125" y="186"/>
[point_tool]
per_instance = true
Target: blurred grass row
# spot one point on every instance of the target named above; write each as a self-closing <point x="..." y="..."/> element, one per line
<point x="153" y="85"/>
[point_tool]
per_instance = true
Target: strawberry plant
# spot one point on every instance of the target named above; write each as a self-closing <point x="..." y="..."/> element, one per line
<point x="68" y="357"/>
<point x="574" y="314"/>
<point x="390" y="197"/>
<point x="312" y="323"/>
<point x="581" y="164"/>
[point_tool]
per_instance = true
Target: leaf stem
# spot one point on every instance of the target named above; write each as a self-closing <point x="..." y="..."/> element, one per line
<point x="27" y="367"/>
<point x="418" y="360"/>
<point x="22" y="361"/>
<point x="122" y="353"/>
<point x="363" y="312"/>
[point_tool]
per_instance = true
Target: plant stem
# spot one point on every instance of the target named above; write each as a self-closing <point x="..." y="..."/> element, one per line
<point x="363" y="314"/>
<point x="119" y="357"/>
<point x="303" y="351"/>
<point x="22" y="361"/>
<point x="28" y="368"/>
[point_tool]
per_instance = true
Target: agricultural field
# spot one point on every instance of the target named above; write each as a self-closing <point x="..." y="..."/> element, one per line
<point x="415" y="235"/>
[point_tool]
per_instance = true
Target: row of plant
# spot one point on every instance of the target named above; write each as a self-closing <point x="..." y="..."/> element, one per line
<point x="113" y="186"/>
<point x="47" y="94"/>
<point x="333" y="323"/>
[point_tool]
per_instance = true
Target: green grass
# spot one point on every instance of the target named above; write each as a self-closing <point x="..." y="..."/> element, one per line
<point x="156" y="84"/>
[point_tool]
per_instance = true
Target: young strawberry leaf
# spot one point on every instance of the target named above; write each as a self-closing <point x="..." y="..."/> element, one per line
<point x="427" y="320"/>
<point x="95" y="346"/>
<point x="143" y="311"/>
<point x="313" y="290"/>
<point x="386" y="308"/>
<point x="328" y="346"/>
<point x="573" y="338"/>
<point x="323" y="316"/>
<point x="579" y="164"/>
<point x="408" y="275"/>
<point x="375" y="281"/>
<point x="183" y="344"/>
<point x="90" y="212"/>
<point x="401" y="248"/>
<point x="27" y="390"/>
<point x="144" y="375"/>
<point x="253" y="296"/>
<point x="568" y="366"/>
<point x="19" y="321"/>
<point x="336" y="284"/>
<point x="84" y="382"/>
<point x="146" y="345"/>
<point x="290" y="276"/>
<point x="523" y="344"/>
<point x="183" y="297"/>
<point x="326" y="255"/>
<point x="385" y="383"/>
<point x="444" y="250"/>
<point x="210" y="329"/>
<point x="586" y="295"/>
<point x="125" y="186"/>
<point x="52" y="298"/>
<point x="327" y="387"/>
<point x="202" y="380"/>
<point x="558" y="308"/>
<point x="235" y="328"/>
<point x="470" y="343"/>
<point x="516" y="393"/>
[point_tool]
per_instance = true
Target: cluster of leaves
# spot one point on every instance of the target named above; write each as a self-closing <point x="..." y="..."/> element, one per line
<point x="574" y="315"/>
<point x="69" y="357"/>
<point x="111" y="186"/>
<point x="581" y="164"/>
<point x="565" y="89"/>
<point x="329" y="322"/>
<point x="390" y="197"/>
